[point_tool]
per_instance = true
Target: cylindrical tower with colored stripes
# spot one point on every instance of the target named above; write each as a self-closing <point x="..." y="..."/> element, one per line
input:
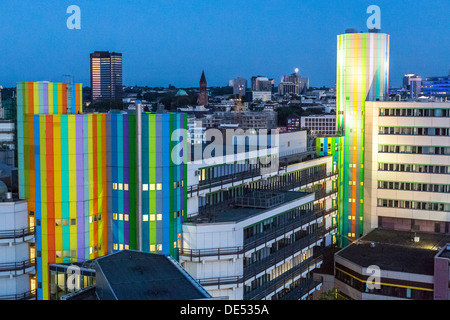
<point x="362" y="75"/>
<point x="62" y="175"/>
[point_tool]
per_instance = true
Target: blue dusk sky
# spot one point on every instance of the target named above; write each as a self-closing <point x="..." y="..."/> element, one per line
<point x="171" y="41"/>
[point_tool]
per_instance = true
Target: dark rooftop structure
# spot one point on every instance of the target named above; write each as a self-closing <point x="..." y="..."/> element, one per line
<point x="133" y="275"/>
<point x="402" y="251"/>
<point x="247" y="206"/>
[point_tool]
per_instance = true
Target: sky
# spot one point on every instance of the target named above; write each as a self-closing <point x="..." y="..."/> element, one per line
<point x="171" y="41"/>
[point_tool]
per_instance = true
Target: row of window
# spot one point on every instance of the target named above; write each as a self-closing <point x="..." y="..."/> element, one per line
<point x="414" y="149"/>
<point x="408" y="112"/>
<point x="415" y="131"/>
<point x="417" y="168"/>
<point x="146" y="186"/>
<point x="410" y="186"/>
<point x="417" y="205"/>
<point x="72" y="222"/>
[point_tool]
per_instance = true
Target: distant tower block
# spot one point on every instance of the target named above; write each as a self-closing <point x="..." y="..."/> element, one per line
<point x="203" y="95"/>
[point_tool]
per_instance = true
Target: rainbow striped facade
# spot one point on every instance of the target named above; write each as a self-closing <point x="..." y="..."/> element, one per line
<point x="62" y="174"/>
<point x="362" y="75"/>
<point x="78" y="173"/>
<point x="164" y="194"/>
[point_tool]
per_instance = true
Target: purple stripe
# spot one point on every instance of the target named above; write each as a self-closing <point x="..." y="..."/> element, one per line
<point x="80" y="187"/>
<point x="45" y="96"/>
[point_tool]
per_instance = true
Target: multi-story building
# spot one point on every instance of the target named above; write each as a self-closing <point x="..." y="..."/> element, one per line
<point x="412" y="85"/>
<point x="293" y="84"/>
<point x="362" y="75"/>
<point x="254" y="230"/>
<point x="97" y="183"/>
<point x="261" y="88"/>
<point x="407" y="181"/>
<point x="320" y="124"/>
<point x="436" y="86"/>
<point x="394" y="265"/>
<point x="106" y="75"/>
<point x="17" y="249"/>
<point x="239" y="86"/>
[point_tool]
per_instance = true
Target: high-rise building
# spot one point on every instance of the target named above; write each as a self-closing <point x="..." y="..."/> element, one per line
<point x="412" y="84"/>
<point x="79" y="174"/>
<point x="106" y="75"/>
<point x="203" y="94"/>
<point x="436" y="86"/>
<point x="362" y="75"/>
<point x="239" y="86"/>
<point x="293" y="84"/>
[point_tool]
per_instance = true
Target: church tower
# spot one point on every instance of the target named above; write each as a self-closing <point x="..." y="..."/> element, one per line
<point x="203" y="95"/>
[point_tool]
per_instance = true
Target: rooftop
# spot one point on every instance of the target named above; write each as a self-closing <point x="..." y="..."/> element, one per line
<point x="242" y="210"/>
<point x="396" y="250"/>
<point x="134" y="275"/>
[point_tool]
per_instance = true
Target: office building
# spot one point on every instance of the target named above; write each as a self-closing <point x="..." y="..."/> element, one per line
<point x="436" y="86"/>
<point x="261" y="88"/>
<point x="320" y="124"/>
<point x="362" y="75"/>
<point x="406" y="167"/>
<point x="255" y="232"/>
<point x="293" y="84"/>
<point x="394" y="265"/>
<point x="412" y="85"/>
<point x="106" y="76"/>
<point x="239" y="86"/>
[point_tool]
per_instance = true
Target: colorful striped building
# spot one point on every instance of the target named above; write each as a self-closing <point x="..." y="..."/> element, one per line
<point x="78" y="173"/>
<point x="164" y="194"/>
<point x="362" y="75"/>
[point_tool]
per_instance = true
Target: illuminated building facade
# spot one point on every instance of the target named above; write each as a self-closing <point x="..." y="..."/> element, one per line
<point x="79" y="175"/>
<point x="62" y="174"/>
<point x="106" y="75"/>
<point x="362" y="75"/>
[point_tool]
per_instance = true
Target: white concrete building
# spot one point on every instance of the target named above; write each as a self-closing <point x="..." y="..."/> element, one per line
<point x="255" y="231"/>
<point x="407" y="166"/>
<point x="17" y="254"/>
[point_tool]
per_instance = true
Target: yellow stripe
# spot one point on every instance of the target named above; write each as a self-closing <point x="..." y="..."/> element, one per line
<point x="385" y="284"/>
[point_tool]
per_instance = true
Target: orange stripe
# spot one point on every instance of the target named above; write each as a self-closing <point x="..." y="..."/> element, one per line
<point x="104" y="184"/>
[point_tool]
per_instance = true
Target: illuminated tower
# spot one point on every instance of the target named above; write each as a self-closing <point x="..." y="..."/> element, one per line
<point x="106" y="75"/>
<point x="362" y="75"/>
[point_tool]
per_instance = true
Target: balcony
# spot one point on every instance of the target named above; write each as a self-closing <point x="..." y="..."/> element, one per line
<point x="192" y="254"/>
<point x="17" y="268"/>
<point x="19" y="235"/>
<point x="29" y="295"/>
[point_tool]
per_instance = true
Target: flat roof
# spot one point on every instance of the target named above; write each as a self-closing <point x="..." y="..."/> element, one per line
<point x="396" y="250"/>
<point x="135" y="275"/>
<point x="237" y="214"/>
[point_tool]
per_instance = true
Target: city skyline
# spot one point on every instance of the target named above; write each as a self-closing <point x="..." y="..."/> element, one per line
<point x="161" y="46"/>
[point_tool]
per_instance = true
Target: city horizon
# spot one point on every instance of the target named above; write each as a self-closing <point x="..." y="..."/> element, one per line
<point x="181" y="65"/>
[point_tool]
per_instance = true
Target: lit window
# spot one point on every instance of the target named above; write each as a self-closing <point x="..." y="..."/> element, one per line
<point x="114" y="216"/>
<point x="120" y="186"/>
<point x="115" y="247"/>
<point x="125" y="186"/>
<point x="159" y="217"/>
<point x="159" y="186"/>
<point x="120" y="216"/>
<point x="145" y="187"/>
<point x="120" y="246"/>
<point x="114" y="186"/>
<point x="152" y="217"/>
<point x="159" y="247"/>
<point x="127" y="247"/>
<point x="66" y="253"/>
<point x="58" y="222"/>
<point x="174" y="185"/>
<point x="145" y="217"/>
<point x="152" y="247"/>
<point x="126" y="217"/>
<point x="58" y="254"/>
<point x="174" y="244"/>
<point x="152" y="187"/>
<point x="65" y="222"/>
